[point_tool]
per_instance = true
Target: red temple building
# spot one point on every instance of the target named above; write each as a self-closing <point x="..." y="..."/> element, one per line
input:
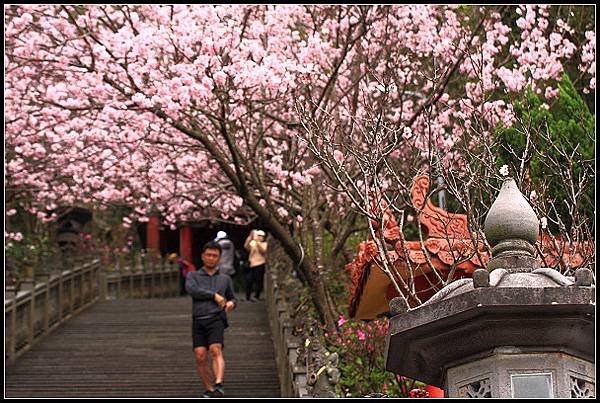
<point x="187" y="240"/>
<point x="450" y="248"/>
<point x="448" y="243"/>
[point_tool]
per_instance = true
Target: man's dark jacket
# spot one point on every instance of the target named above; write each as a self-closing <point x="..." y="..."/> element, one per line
<point x="202" y="288"/>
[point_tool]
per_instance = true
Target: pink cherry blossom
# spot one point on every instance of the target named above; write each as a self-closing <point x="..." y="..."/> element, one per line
<point x="146" y="114"/>
<point x="338" y="156"/>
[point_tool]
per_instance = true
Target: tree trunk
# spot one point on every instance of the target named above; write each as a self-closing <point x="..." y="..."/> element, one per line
<point x="320" y="296"/>
<point x="306" y="268"/>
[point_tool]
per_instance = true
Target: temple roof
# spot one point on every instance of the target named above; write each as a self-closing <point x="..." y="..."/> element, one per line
<point x="448" y="242"/>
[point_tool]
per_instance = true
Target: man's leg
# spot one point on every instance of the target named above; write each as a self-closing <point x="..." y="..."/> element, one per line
<point x="218" y="362"/>
<point x="202" y="367"/>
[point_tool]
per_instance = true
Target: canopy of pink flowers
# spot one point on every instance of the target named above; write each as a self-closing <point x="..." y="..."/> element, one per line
<point x="100" y="100"/>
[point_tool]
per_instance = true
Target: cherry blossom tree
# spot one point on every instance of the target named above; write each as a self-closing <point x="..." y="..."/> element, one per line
<point x="432" y="102"/>
<point x="294" y="114"/>
<point x="182" y="110"/>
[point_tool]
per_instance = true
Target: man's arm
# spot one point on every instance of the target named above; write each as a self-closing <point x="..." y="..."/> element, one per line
<point x="195" y="290"/>
<point x="229" y="293"/>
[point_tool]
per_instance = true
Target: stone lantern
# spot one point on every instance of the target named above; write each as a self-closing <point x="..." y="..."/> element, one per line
<point x="512" y="330"/>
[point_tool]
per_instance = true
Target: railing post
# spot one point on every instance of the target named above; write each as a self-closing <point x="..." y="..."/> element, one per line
<point x="131" y="278"/>
<point x="94" y="279"/>
<point x="12" y="342"/>
<point x="61" y="291"/>
<point x="119" y="274"/>
<point x="84" y="285"/>
<point x="93" y="275"/>
<point x="30" y="325"/>
<point x="77" y="291"/>
<point x="46" y="320"/>
<point x="29" y="286"/>
<point x="142" y="283"/>
<point x="161" y="271"/>
<point x="102" y="285"/>
<point x="152" y="279"/>
<point x="72" y="292"/>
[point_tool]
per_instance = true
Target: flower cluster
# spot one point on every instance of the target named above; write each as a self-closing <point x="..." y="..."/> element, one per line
<point x="418" y="393"/>
<point x="361" y="347"/>
<point x="110" y="121"/>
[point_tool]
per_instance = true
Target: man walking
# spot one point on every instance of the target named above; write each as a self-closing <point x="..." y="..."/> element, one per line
<point x="213" y="297"/>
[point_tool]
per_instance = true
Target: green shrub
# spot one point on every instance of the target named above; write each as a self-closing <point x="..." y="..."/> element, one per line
<point x="563" y="132"/>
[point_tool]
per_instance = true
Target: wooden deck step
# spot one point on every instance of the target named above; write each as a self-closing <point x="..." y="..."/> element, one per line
<point x="143" y="348"/>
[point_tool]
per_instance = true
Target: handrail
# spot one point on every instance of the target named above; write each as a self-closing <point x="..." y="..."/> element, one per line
<point x="305" y="368"/>
<point x="141" y="281"/>
<point x="40" y="307"/>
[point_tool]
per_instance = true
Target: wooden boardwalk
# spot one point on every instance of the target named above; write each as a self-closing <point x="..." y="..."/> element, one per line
<point x="143" y="348"/>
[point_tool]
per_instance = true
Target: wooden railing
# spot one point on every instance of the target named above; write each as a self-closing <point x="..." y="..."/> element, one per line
<point x="40" y="306"/>
<point x="142" y="281"/>
<point x="300" y="357"/>
<point x="37" y="309"/>
<point x="291" y="377"/>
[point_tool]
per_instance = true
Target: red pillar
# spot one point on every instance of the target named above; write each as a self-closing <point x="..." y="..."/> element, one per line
<point x="153" y="234"/>
<point x="185" y="242"/>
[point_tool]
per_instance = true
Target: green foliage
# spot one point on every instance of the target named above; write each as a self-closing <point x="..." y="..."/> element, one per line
<point x="337" y="278"/>
<point x="32" y="251"/>
<point x="356" y="238"/>
<point x="572" y="120"/>
<point x="33" y="246"/>
<point x="115" y="242"/>
<point x="560" y="133"/>
<point x="36" y="244"/>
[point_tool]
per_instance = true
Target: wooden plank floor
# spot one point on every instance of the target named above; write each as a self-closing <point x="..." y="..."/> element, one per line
<point x="143" y="348"/>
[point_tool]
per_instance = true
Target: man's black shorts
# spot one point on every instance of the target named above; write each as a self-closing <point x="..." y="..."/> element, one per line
<point x="208" y="331"/>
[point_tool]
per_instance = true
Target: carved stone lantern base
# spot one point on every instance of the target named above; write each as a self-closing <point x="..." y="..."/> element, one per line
<point x="513" y="372"/>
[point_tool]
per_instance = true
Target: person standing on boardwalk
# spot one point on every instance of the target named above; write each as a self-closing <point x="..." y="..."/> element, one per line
<point x="257" y="247"/>
<point x="213" y="298"/>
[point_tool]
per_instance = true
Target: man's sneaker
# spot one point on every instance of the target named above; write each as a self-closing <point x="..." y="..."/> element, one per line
<point x="253" y="299"/>
<point x="208" y="393"/>
<point x="219" y="390"/>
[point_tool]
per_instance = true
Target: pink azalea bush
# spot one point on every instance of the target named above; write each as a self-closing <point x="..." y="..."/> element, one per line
<point x="361" y="346"/>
